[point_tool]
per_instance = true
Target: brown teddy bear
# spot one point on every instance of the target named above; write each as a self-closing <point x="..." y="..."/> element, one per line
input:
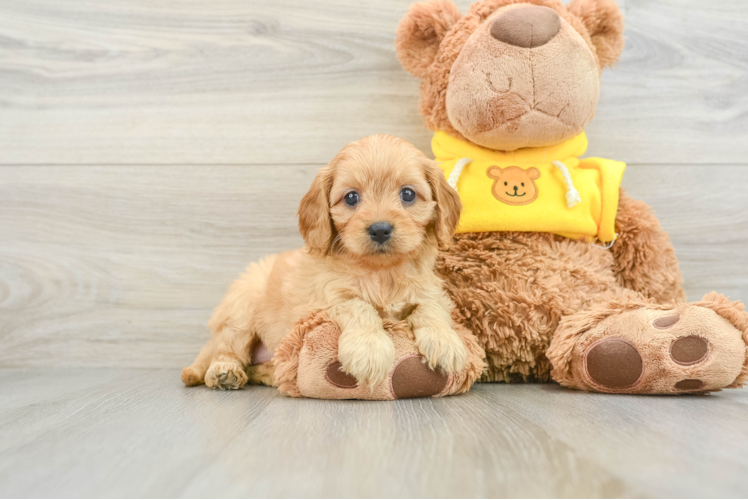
<point x="508" y="89"/>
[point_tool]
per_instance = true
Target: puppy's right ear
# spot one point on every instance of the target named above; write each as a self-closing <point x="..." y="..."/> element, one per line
<point x="315" y="222"/>
<point x="448" y="204"/>
<point x="421" y="31"/>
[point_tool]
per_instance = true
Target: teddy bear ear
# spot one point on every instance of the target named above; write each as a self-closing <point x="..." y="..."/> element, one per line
<point x="421" y="31"/>
<point x="604" y="22"/>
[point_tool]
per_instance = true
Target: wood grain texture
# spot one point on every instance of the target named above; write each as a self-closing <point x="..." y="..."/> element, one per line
<point x="121" y="266"/>
<point x="138" y="433"/>
<point x="291" y="81"/>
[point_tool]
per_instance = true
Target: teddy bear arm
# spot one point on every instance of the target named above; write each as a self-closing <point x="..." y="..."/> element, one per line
<point x="644" y="257"/>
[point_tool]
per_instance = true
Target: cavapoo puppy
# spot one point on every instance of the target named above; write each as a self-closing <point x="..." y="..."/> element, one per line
<point x="372" y="221"/>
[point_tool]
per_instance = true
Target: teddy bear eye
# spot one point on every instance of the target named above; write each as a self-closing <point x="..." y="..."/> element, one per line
<point x="351" y="199"/>
<point x="506" y="184"/>
<point x="523" y="184"/>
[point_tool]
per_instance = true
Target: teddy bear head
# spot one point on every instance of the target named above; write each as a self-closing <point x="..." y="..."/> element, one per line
<point x="510" y="73"/>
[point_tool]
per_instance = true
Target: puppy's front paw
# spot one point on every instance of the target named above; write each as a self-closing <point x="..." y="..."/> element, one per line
<point x="367" y="357"/>
<point x="442" y="349"/>
<point x="225" y="375"/>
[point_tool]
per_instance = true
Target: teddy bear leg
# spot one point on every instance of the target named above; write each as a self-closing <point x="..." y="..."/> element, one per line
<point x="633" y="346"/>
<point x="306" y="365"/>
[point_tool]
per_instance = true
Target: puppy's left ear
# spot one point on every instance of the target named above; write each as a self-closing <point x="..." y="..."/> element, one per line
<point x="604" y="23"/>
<point x="448" y="204"/>
<point x="315" y="222"/>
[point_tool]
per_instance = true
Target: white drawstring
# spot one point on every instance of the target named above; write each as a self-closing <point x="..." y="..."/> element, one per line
<point x="572" y="195"/>
<point x="454" y="176"/>
<point x="608" y="245"/>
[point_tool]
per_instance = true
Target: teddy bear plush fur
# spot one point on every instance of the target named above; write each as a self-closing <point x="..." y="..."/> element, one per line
<point x="516" y="74"/>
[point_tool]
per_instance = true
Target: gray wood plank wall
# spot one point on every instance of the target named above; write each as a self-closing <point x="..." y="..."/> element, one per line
<point x="149" y="150"/>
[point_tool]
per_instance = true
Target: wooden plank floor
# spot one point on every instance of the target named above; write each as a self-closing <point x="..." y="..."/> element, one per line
<point x="138" y="433"/>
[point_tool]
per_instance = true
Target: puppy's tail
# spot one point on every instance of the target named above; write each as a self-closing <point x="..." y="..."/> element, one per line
<point x="195" y="373"/>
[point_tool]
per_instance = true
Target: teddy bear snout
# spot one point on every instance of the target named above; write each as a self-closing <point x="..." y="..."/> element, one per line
<point x="527" y="26"/>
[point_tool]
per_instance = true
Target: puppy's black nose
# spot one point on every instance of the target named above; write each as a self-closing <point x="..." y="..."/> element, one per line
<point x="380" y="231"/>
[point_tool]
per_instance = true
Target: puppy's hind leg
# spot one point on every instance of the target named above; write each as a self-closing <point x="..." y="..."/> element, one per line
<point x="230" y="358"/>
<point x="195" y="373"/>
<point x="233" y="328"/>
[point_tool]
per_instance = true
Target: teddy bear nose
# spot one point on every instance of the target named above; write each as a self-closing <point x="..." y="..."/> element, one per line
<point x="527" y="26"/>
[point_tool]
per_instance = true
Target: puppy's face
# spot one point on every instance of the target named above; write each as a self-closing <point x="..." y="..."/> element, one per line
<point x="378" y="201"/>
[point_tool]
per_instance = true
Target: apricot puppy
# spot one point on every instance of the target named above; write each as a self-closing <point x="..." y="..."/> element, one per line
<point x="373" y="221"/>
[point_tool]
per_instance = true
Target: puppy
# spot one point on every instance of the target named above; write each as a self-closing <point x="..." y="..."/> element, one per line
<point x="372" y="221"/>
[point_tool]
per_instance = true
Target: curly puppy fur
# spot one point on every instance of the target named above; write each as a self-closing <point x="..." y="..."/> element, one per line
<point x="346" y="272"/>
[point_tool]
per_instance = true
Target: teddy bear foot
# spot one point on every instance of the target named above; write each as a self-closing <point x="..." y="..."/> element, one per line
<point x="307" y="365"/>
<point x="651" y="349"/>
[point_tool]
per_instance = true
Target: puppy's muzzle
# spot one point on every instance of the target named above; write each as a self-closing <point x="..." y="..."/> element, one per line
<point x="380" y="232"/>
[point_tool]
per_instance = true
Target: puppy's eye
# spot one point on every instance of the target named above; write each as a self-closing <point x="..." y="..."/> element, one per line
<point x="351" y="199"/>
<point x="407" y="195"/>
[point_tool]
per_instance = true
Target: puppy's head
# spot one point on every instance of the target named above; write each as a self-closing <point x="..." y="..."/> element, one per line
<point x="379" y="200"/>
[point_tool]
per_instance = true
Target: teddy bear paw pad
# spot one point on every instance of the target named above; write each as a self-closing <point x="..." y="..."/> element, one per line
<point x="689" y="350"/>
<point x="689" y="385"/>
<point x="411" y="378"/>
<point x="666" y="322"/>
<point x="337" y="377"/>
<point x="614" y="363"/>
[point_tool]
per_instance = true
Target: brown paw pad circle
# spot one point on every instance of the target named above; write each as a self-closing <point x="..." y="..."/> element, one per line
<point x="339" y="378"/>
<point x="689" y="385"/>
<point x="689" y="350"/>
<point x="666" y="322"/>
<point x="613" y="363"/>
<point x="411" y="378"/>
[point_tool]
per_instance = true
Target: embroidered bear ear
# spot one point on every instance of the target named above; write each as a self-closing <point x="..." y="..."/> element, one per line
<point x="533" y="173"/>
<point x="421" y="31"/>
<point x="604" y="23"/>
<point x="495" y="172"/>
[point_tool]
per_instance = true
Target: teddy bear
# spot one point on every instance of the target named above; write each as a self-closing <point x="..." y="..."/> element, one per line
<point x="555" y="272"/>
<point x="555" y="269"/>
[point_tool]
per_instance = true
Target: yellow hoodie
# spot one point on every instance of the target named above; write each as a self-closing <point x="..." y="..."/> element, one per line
<point x="546" y="189"/>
